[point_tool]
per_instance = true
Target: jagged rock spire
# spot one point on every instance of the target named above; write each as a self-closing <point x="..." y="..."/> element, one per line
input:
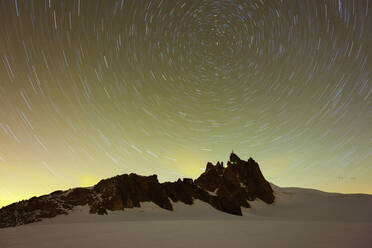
<point x="234" y="158"/>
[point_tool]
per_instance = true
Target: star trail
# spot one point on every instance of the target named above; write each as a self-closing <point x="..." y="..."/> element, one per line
<point x="92" y="89"/>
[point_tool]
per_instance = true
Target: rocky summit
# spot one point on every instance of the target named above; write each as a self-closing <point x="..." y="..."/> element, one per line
<point x="225" y="188"/>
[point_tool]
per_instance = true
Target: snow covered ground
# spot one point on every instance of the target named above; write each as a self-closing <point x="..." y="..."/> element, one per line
<point x="298" y="218"/>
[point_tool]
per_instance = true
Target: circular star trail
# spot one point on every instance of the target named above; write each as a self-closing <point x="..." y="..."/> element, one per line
<point x="91" y="89"/>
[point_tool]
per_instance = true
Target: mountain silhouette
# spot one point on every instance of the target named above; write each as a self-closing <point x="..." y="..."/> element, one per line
<point x="225" y="188"/>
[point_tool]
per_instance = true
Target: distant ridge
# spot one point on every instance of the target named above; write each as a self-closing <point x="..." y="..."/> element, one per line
<point x="225" y="188"/>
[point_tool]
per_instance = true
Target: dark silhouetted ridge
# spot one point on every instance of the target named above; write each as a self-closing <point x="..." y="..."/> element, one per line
<point x="225" y="188"/>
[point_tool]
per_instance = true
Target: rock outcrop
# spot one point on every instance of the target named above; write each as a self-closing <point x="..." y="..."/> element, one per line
<point x="127" y="191"/>
<point x="225" y="188"/>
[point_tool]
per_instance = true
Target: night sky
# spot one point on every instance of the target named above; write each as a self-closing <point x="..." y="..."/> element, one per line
<point x="92" y="89"/>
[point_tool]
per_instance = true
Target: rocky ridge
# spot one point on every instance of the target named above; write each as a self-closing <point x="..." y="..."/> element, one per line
<point x="225" y="188"/>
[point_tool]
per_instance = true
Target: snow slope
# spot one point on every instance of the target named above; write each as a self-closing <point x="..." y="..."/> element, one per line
<point x="298" y="218"/>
